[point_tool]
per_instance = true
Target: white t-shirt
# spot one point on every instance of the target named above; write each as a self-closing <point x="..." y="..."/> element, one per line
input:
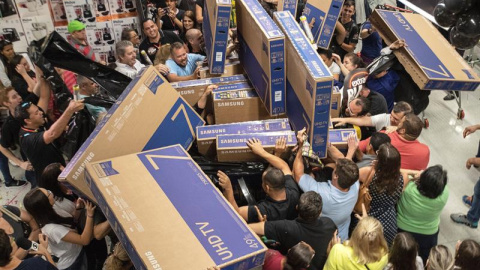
<point x="380" y="121"/>
<point x="128" y="70"/>
<point x="334" y="68"/>
<point x="64" y="208"/>
<point x="65" y="251"/>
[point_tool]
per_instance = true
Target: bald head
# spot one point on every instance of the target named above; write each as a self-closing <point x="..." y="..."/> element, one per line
<point x="194" y="38"/>
<point x="192" y="33"/>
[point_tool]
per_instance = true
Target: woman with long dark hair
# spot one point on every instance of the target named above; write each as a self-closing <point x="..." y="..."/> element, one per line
<point x="6" y="54"/>
<point x="65" y="243"/>
<point x="385" y="188"/>
<point x="22" y="77"/>
<point x="189" y="22"/>
<point x="404" y="254"/>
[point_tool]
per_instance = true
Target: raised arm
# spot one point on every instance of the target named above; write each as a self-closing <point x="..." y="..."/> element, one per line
<point x="275" y="161"/>
<point x="365" y="121"/>
<point x="298" y="168"/>
<point x="59" y="126"/>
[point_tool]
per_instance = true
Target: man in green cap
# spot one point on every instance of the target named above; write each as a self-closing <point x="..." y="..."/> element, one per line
<point x="78" y="39"/>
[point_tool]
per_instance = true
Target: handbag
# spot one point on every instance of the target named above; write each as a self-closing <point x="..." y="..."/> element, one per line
<point x="364" y="194"/>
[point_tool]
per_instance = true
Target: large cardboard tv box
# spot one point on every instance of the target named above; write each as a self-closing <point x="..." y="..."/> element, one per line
<point x="339" y="137"/>
<point x="309" y="85"/>
<point x="237" y="102"/>
<point x="232" y="67"/>
<point x="207" y="135"/>
<point x="430" y="59"/>
<point x="216" y="20"/>
<point x="262" y="53"/>
<point x="168" y="214"/>
<point x="149" y="114"/>
<point x="336" y="103"/>
<point x="233" y="148"/>
<point x="326" y="13"/>
<point x="288" y="5"/>
<point x="192" y="90"/>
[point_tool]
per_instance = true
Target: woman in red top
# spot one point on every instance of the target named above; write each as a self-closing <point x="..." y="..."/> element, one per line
<point x="298" y="258"/>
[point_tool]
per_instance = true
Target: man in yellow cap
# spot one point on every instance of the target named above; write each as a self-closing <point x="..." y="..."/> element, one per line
<point x="78" y="39"/>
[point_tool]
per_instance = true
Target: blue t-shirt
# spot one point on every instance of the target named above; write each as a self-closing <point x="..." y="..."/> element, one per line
<point x="337" y="205"/>
<point x="188" y="70"/>
<point x="35" y="263"/>
<point x="371" y="45"/>
<point x="385" y="86"/>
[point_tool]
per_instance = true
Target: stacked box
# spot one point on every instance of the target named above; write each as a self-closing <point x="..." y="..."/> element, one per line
<point x="326" y="13"/>
<point x="216" y="20"/>
<point x="309" y="85"/>
<point x="339" y="137"/>
<point x="233" y="148"/>
<point x="431" y="61"/>
<point x="191" y="215"/>
<point x="207" y="135"/>
<point x="262" y="53"/>
<point x="149" y="114"/>
<point x="237" y="102"/>
<point x="288" y="5"/>
<point x="336" y="103"/>
<point x="232" y="67"/>
<point x="192" y="90"/>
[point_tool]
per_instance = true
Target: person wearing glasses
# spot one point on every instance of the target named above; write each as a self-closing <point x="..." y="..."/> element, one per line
<point x="37" y="138"/>
<point x="64" y="241"/>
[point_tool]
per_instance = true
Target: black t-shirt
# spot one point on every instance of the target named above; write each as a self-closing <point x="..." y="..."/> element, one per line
<point x="290" y="232"/>
<point x="151" y="48"/>
<point x="37" y="151"/>
<point x="9" y="131"/>
<point x="278" y="210"/>
<point x="187" y="5"/>
<point x="200" y="3"/>
<point x="378" y="104"/>
<point x="35" y="263"/>
<point x="351" y="37"/>
<point x="169" y="24"/>
<point x="18" y="230"/>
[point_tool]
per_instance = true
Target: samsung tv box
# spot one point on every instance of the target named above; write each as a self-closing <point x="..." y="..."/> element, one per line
<point x="262" y="53"/>
<point x="309" y="85"/>
<point x="149" y="114"/>
<point x="233" y="148"/>
<point x="430" y="59"/>
<point x="216" y="21"/>
<point x="168" y="215"/>
<point x="326" y="13"/>
<point x="207" y="135"/>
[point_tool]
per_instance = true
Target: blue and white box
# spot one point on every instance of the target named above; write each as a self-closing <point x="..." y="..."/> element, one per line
<point x="216" y="21"/>
<point x="163" y="207"/>
<point x="326" y="14"/>
<point x="149" y="114"/>
<point x="309" y="85"/>
<point x="288" y="5"/>
<point x="262" y="53"/>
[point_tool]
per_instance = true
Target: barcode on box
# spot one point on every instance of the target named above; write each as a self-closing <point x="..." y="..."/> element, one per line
<point x="219" y="57"/>
<point x="278" y="96"/>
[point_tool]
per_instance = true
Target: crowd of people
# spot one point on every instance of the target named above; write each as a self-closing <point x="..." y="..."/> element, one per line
<point x="312" y="216"/>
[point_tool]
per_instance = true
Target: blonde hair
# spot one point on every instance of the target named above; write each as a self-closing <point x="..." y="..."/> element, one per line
<point x="368" y="242"/>
<point x="118" y="259"/>
<point x="440" y="258"/>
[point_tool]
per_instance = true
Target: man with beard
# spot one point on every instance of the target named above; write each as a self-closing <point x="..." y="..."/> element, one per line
<point x="183" y="66"/>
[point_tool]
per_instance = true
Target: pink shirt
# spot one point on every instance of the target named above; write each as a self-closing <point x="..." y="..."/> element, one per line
<point x="415" y="155"/>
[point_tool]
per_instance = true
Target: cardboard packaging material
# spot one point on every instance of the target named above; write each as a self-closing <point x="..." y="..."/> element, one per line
<point x="237" y="102"/>
<point x="190" y="213"/>
<point x="288" y="5"/>
<point x="309" y="85"/>
<point x="326" y="14"/>
<point x="192" y="90"/>
<point x="262" y="52"/>
<point x="216" y="14"/>
<point x="149" y="114"/>
<point x="233" y="148"/>
<point x="339" y="137"/>
<point x="431" y="61"/>
<point x="207" y="135"/>
<point x="232" y="67"/>
<point x="336" y="103"/>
